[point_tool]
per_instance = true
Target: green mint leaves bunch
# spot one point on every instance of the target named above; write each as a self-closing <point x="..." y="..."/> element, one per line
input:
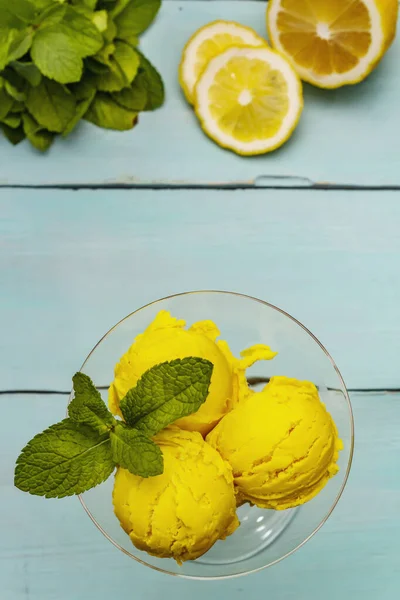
<point x="83" y="450"/>
<point x="66" y="60"/>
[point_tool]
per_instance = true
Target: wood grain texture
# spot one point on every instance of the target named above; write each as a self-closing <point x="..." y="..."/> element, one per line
<point x="72" y="264"/>
<point x="348" y="136"/>
<point x="49" y="550"/>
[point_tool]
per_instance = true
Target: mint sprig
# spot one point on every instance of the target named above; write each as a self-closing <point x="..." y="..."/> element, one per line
<point x="50" y="49"/>
<point x="82" y="451"/>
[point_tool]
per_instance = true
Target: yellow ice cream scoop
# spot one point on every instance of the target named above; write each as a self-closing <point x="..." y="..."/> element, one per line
<point x="183" y="512"/>
<point x="281" y="443"/>
<point x="165" y="339"/>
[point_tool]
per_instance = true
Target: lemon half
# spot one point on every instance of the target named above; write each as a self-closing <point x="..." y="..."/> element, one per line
<point x="332" y="43"/>
<point x="208" y="42"/>
<point x="249" y="100"/>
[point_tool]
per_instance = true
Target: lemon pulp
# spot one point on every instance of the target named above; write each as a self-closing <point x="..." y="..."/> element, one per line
<point x="249" y="99"/>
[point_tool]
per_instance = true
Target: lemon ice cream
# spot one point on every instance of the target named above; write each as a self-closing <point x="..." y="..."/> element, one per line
<point x="166" y="339"/>
<point x="183" y="512"/>
<point x="282" y="444"/>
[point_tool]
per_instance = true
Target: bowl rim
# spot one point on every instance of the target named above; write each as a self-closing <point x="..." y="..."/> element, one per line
<point x="351" y="449"/>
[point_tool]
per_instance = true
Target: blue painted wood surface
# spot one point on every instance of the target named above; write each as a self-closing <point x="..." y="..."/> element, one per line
<point x="348" y="136"/>
<point x="50" y="550"/>
<point x="73" y="263"/>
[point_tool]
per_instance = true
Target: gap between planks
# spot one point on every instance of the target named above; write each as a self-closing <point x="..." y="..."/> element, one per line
<point x="28" y="392"/>
<point x="307" y="185"/>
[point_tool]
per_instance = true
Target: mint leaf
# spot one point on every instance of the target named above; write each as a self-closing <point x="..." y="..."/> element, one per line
<point x="136" y="17"/>
<point x="42" y="4"/>
<point x="15" y="136"/>
<point x="124" y="64"/>
<point x="20" y="44"/>
<point x="96" y="67"/>
<point x="42" y="140"/>
<point x="87" y="3"/>
<point x="51" y="104"/>
<point x="5" y="41"/>
<point x="84" y="89"/>
<point x="55" y="56"/>
<point x="104" y="54"/>
<point x="100" y="20"/>
<point x="58" y="50"/>
<point x="39" y="137"/>
<point x="166" y="393"/>
<point x="13" y="44"/>
<point x="84" y="92"/>
<point x="13" y="121"/>
<point x="14" y="92"/>
<point x="16" y="13"/>
<point x="132" y="450"/>
<point x="146" y="91"/>
<point x="11" y="77"/>
<point x="133" y="97"/>
<point x="28" y="71"/>
<point x="119" y="6"/>
<point x="153" y="83"/>
<point x="86" y="38"/>
<point x="110" y="33"/>
<point x="81" y="109"/>
<point x="6" y="101"/>
<point x="87" y="406"/>
<point x="65" y="459"/>
<point x="106" y="113"/>
<point x="17" y="108"/>
<point x="132" y="40"/>
<point x="51" y="16"/>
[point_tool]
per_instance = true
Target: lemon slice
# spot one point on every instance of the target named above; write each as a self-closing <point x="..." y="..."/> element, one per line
<point x="207" y="42"/>
<point x="249" y="100"/>
<point x="332" y="43"/>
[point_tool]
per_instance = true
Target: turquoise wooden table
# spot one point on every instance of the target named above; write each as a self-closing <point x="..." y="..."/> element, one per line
<point x="107" y="222"/>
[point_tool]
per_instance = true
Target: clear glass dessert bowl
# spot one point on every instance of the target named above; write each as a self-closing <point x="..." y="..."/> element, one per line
<point x="264" y="536"/>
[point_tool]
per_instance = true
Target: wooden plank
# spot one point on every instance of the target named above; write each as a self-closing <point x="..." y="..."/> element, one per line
<point x="72" y="264"/>
<point x="349" y="136"/>
<point x="50" y="550"/>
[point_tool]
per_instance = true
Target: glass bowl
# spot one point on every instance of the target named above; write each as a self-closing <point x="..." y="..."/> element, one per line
<point x="265" y="536"/>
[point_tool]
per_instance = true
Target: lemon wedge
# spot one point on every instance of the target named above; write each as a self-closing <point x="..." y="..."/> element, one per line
<point x="332" y="43"/>
<point x="208" y="42"/>
<point x="249" y="100"/>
